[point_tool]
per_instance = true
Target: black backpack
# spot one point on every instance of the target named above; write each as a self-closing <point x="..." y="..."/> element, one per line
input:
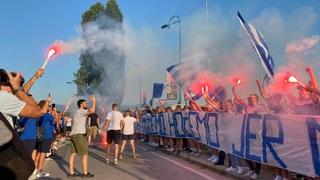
<point x="15" y="162"/>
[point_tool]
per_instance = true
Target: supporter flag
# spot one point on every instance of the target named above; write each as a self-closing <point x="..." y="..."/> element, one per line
<point x="259" y="46"/>
<point x="157" y="90"/>
<point x="186" y="71"/>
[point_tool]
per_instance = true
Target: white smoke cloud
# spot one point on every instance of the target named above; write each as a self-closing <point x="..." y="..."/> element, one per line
<point x="302" y="45"/>
<point x="94" y="38"/>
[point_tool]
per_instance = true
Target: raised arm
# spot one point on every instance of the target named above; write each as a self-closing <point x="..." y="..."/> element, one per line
<point x="210" y="101"/>
<point x="30" y="109"/>
<point x="237" y="97"/>
<point x="93" y="104"/>
<point x="27" y="86"/>
<point x="313" y="80"/>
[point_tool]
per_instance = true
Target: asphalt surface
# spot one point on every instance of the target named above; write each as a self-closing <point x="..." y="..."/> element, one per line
<point x="151" y="164"/>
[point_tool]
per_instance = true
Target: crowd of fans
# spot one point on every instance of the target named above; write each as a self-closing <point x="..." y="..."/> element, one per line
<point x="305" y="103"/>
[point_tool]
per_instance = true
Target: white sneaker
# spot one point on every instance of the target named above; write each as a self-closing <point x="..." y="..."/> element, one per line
<point x="107" y="161"/>
<point x="240" y="170"/>
<point x="211" y="158"/>
<point x="249" y="173"/>
<point x="42" y="174"/>
<point x="278" y="177"/>
<point x="254" y="176"/>
<point x="215" y="159"/>
<point x="35" y="172"/>
<point x="120" y="157"/>
<point x="231" y="169"/>
<point x="197" y="154"/>
<point x="115" y="161"/>
<point x="193" y="152"/>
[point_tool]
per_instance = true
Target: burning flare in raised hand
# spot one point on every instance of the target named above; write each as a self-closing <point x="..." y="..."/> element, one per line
<point x="51" y="53"/>
<point x="238" y="82"/>
<point x="204" y="89"/>
<point x="293" y="79"/>
<point x="53" y="50"/>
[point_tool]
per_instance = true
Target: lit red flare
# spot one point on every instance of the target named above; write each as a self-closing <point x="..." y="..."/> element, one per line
<point x="204" y="89"/>
<point x="293" y="79"/>
<point x="238" y="82"/>
<point x="54" y="50"/>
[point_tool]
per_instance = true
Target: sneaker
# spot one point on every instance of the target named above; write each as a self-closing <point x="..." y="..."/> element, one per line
<point x="107" y="161"/>
<point x="254" y="176"/>
<point x="197" y="154"/>
<point x="211" y="158"/>
<point x="42" y="174"/>
<point x="88" y="175"/>
<point x="193" y="152"/>
<point x="134" y="157"/>
<point x="249" y="173"/>
<point x="120" y="157"/>
<point x="115" y="161"/>
<point x="215" y="159"/>
<point x="35" y="172"/>
<point x="72" y="175"/>
<point x="231" y="169"/>
<point x="240" y="170"/>
<point x="278" y="177"/>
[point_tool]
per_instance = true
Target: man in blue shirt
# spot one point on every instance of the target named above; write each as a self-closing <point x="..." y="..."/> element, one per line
<point x="46" y="122"/>
<point x="29" y="135"/>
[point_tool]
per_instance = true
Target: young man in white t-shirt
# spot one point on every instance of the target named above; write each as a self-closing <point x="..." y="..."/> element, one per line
<point x="128" y="133"/>
<point x="114" y="121"/>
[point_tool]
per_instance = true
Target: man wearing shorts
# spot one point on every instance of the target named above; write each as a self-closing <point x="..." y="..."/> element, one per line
<point x="79" y="144"/>
<point x="43" y="145"/>
<point x="114" y="122"/>
<point x="93" y="121"/>
<point x="128" y="133"/>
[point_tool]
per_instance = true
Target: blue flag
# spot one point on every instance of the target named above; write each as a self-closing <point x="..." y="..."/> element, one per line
<point x="186" y="72"/>
<point x="157" y="90"/>
<point x="259" y="46"/>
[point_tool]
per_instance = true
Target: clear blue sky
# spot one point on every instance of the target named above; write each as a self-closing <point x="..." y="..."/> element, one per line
<point x="28" y="27"/>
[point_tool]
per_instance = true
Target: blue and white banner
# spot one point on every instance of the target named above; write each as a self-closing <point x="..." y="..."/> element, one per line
<point x="259" y="46"/>
<point x="286" y="141"/>
<point x="186" y="71"/>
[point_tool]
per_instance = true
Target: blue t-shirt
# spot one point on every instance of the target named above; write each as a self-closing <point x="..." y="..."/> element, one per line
<point x="46" y="121"/>
<point x="30" y="129"/>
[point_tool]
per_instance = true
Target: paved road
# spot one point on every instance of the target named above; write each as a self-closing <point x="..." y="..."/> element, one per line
<point x="150" y="164"/>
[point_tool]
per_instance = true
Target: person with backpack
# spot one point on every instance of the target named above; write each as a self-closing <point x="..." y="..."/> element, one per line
<point x="45" y="134"/>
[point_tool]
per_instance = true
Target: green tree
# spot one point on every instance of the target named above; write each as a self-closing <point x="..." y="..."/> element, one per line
<point x="113" y="11"/>
<point x="92" y="73"/>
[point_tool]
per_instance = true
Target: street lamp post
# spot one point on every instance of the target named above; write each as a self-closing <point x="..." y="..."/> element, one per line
<point x="173" y="20"/>
<point x="139" y="69"/>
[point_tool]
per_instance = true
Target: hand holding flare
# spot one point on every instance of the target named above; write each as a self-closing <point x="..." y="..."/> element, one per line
<point x="238" y="81"/>
<point x="204" y="90"/>
<point x="293" y="79"/>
